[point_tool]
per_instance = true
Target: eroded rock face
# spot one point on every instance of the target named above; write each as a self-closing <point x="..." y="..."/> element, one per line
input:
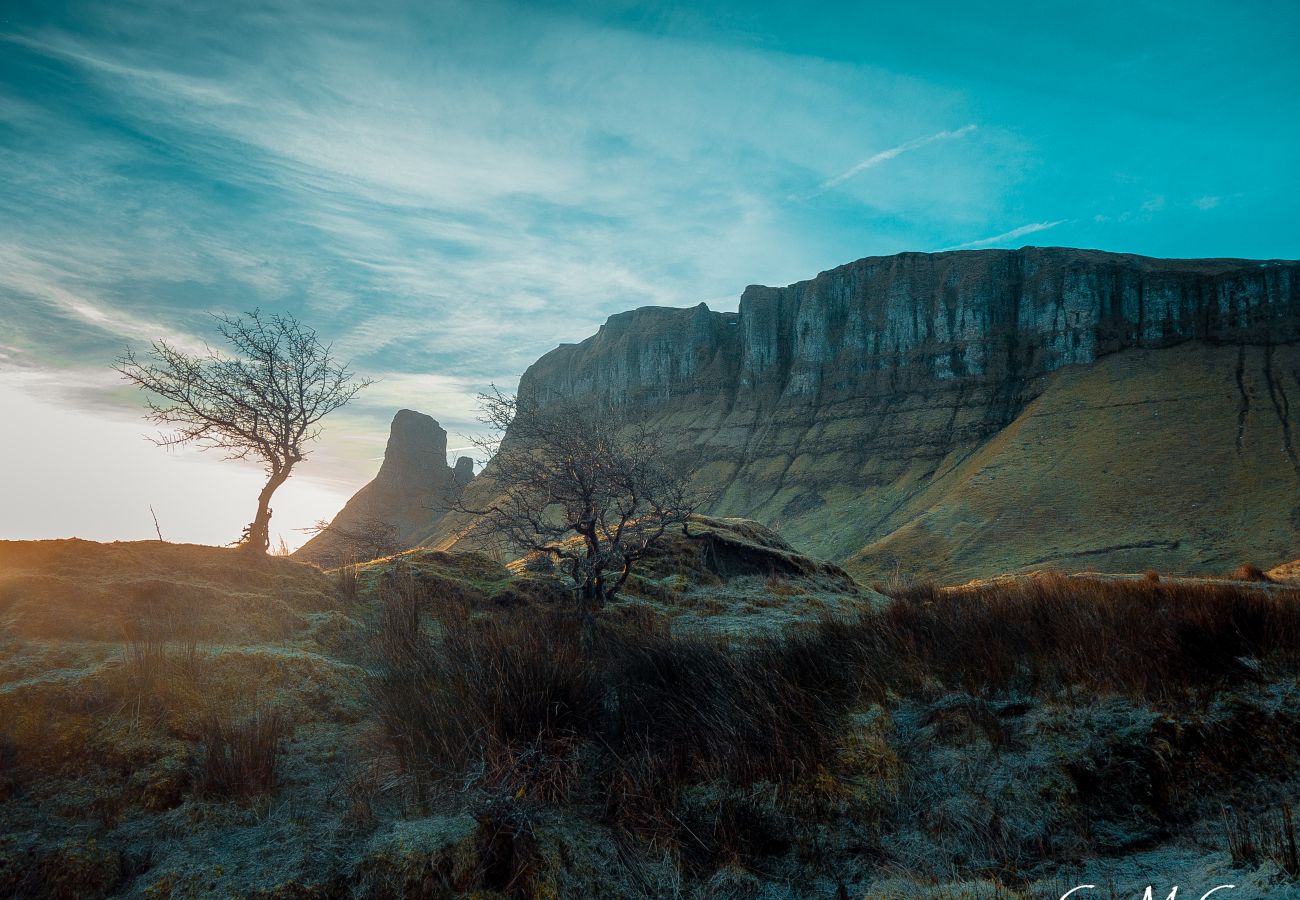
<point x="409" y="495"/>
<point x="826" y="407"/>
<point x="885" y="325"/>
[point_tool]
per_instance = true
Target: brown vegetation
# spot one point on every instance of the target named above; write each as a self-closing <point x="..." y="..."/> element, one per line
<point x="455" y="729"/>
<point x="1249" y="572"/>
<point x="241" y="755"/>
<point x="1270" y="836"/>
<point x="1055" y="633"/>
<point x="518" y="705"/>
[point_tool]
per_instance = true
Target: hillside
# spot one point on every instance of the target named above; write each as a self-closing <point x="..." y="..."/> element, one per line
<point x="968" y="413"/>
<point x="1176" y="459"/>
<point x="746" y="721"/>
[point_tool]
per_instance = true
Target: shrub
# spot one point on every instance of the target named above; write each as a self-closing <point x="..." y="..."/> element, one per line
<point x="509" y="697"/>
<point x="1052" y="633"/>
<point x="1269" y="836"/>
<point x="347" y="580"/>
<point x="530" y="707"/>
<point x="533" y="706"/>
<point x="8" y="766"/>
<point x="241" y="756"/>
<point x="539" y="562"/>
<point x="1249" y="572"/>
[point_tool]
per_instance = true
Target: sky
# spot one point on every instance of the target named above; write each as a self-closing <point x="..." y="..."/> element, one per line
<point x="447" y="190"/>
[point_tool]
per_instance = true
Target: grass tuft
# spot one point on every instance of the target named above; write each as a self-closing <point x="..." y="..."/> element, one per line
<point x="241" y="756"/>
<point x="1249" y="572"/>
<point x="1270" y="836"/>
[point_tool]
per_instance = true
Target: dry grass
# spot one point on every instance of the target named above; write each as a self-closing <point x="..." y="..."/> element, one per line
<point x="241" y="755"/>
<point x="1270" y="836"/>
<point x="347" y="580"/>
<point x="520" y="704"/>
<point x="9" y="780"/>
<point x="529" y="706"/>
<point x="1249" y="572"/>
<point x="505" y="698"/>
<point x="81" y="590"/>
<point x="1052" y="633"/>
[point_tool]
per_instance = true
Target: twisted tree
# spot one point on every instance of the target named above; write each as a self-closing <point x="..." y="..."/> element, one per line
<point x="264" y="402"/>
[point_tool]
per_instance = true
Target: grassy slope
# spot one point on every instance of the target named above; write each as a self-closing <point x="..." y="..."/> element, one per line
<point x="1121" y="466"/>
<point x="112" y="657"/>
<point x="101" y="754"/>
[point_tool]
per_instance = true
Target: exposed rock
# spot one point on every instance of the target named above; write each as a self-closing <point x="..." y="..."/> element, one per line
<point x="840" y="410"/>
<point x="411" y="493"/>
<point x="1288" y="571"/>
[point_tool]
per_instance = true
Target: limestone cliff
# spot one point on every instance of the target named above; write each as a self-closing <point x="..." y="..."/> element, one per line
<point x="848" y="411"/>
<point x="408" y="496"/>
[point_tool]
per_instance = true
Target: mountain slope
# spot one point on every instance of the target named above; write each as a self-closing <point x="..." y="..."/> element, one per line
<point x="410" y="493"/>
<point x="853" y="412"/>
<point x="1181" y="459"/>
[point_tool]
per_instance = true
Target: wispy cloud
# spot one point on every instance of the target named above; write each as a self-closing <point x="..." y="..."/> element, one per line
<point x="885" y="156"/>
<point x="1007" y="236"/>
<point x="441" y="194"/>
<point x="30" y="278"/>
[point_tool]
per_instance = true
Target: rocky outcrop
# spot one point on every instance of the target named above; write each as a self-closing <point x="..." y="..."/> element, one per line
<point x="410" y="494"/>
<point x="828" y="407"/>
<point x="885" y="324"/>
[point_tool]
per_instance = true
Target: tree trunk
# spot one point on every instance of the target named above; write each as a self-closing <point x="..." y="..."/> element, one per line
<point x="257" y="536"/>
<point x="590" y="599"/>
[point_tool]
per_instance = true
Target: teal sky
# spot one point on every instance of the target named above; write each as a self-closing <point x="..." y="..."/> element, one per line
<point x="448" y="190"/>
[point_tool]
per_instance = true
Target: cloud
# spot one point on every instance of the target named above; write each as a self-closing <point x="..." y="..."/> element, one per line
<point x="1007" y="236"/>
<point x="1206" y="202"/>
<point x="885" y="155"/>
<point x="442" y="199"/>
<point x="24" y="275"/>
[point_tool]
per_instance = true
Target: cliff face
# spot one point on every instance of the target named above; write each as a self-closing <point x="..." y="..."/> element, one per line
<point x="408" y="496"/>
<point x="918" y="320"/>
<point x="830" y="407"/>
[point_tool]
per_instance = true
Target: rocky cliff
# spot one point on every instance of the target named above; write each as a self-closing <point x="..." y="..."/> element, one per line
<point x="859" y="412"/>
<point x="407" y="497"/>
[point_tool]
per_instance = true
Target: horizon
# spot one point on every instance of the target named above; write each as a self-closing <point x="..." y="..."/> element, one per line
<point x="449" y="192"/>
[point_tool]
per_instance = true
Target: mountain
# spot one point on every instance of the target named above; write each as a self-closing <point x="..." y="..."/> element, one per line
<point x="955" y="415"/>
<point x="408" y="496"/>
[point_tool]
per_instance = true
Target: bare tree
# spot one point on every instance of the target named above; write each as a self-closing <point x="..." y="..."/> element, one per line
<point x="578" y="484"/>
<point x="363" y="539"/>
<point x="265" y="402"/>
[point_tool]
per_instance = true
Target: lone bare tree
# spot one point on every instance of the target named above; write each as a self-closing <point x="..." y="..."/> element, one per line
<point x="264" y="402"/>
<point x="366" y="538"/>
<point x="577" y="484"/>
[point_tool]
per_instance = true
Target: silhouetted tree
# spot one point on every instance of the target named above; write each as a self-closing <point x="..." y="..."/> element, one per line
<point x="579" y="484"/>
<point x="366" y="538"/>
<point x="264" y="402"/>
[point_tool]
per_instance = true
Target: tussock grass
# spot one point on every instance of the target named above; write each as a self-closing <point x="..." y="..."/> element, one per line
<point x="241" y="755"/>
<point x="347" y="580"/>
<point x="1269" y="836"/>
<point x="1053" y="633"/>
<point x="9" y="781"/>
<point x="525" y="704"/>
<point x="1249" y="572"/>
